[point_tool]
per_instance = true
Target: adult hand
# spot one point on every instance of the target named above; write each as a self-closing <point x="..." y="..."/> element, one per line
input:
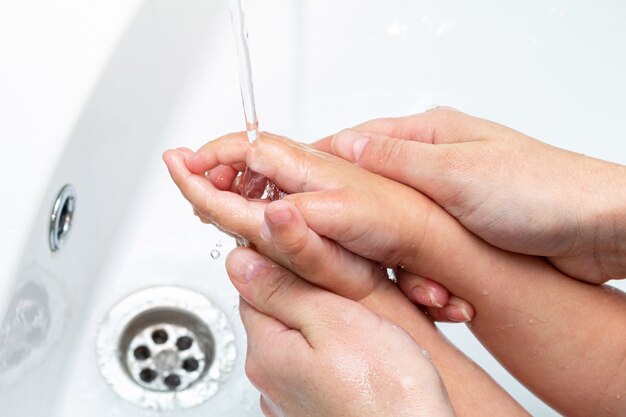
<point x="511" y="190"/>
<point x="311" y="352"/>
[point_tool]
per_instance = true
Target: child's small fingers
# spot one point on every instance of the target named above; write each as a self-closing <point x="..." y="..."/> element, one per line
<point x="222" y="177"/>
<point x="456" y="311"/>
<point x="459" y="310"/>
<point x="227" y="150"/>
<point x="435" y="298"/>
<point x="185" y="151"/>
<point x="230" y="212"/>
<point x="422" y="290"/>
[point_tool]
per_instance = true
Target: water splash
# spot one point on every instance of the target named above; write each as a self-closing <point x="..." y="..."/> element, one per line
<point x="252" y="184"/>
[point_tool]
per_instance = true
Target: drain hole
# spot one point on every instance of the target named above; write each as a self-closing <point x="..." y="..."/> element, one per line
<point x="159" y="336"/>
<point x="141" y="353"/>
<point x="147" y="375"/>
<point x="172" y="381"/>
<point x="184" y="343"/>
<point x="190" y="365"/>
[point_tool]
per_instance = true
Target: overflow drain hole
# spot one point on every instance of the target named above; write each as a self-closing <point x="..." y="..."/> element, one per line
<point x="61" y="217"/>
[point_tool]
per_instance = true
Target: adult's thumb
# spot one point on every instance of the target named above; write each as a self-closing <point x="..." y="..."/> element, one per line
<point x="412" y="163"/>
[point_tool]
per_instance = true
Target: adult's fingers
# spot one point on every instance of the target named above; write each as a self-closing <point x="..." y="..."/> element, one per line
<point x="436" y="126"/>
<point x="422" y="166"/>
<point x="319" y="260"/>
<point x="271" y="344"/>
<point x="268" y="408"/>
<point x="259" y="326"/>
<point x="277" y="292"/>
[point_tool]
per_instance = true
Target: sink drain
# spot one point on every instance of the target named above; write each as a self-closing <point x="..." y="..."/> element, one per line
<point x="166" y="348"/>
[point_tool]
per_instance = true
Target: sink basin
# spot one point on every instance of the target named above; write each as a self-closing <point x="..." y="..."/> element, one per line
<point x="139" y="77"/>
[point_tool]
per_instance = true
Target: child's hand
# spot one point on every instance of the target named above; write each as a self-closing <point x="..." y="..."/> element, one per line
<point x="236" y="215"/>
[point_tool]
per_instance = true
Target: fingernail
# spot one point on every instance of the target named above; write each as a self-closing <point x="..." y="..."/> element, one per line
<point x="246" y="269"/>
<point x="465" y="315"/>
<point x="265" y="233"/>
<point x="416" y="294"/>
<point x="421" y="294"/>
<point x="349" y="144"/>
<point x="278" y="214"/>
<point x="462" y="315"/>
<point x="433" y="300"/>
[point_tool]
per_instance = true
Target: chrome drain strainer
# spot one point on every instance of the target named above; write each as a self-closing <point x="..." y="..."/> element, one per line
<point x="167" y="357"/>
<point x="166" y="348"/>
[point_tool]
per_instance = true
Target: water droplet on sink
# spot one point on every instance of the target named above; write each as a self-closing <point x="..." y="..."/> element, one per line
<point x="215" y="254"/>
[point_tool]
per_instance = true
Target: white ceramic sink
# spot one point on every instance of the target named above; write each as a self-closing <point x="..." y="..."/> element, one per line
<point x="91" y="95"/>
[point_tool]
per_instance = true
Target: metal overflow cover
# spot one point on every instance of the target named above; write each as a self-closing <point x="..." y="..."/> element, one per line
<point x="61" y="217"/>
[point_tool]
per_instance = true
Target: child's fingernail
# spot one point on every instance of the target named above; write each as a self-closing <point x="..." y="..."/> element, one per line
<point x="465" y="315"/>
<point x="417" y="293"/>
<point x="425" y="296"/>
<point x="433" y="299"/>
<point x="349" y="144"/>
<point x="459" y="315"/>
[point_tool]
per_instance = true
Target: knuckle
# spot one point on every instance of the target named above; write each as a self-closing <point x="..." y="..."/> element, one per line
<point x="445" y="121"/>
<point x="444" y="113"/>
<point x="391" y="152"/>
<point x="276" y="284"/>
<point x="294" y="245"/>
<point x="350" y="318"/>
<point x="254" y="372"/>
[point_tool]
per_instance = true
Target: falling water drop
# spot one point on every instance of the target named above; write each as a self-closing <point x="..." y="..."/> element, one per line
<point x="215" y="254"/>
